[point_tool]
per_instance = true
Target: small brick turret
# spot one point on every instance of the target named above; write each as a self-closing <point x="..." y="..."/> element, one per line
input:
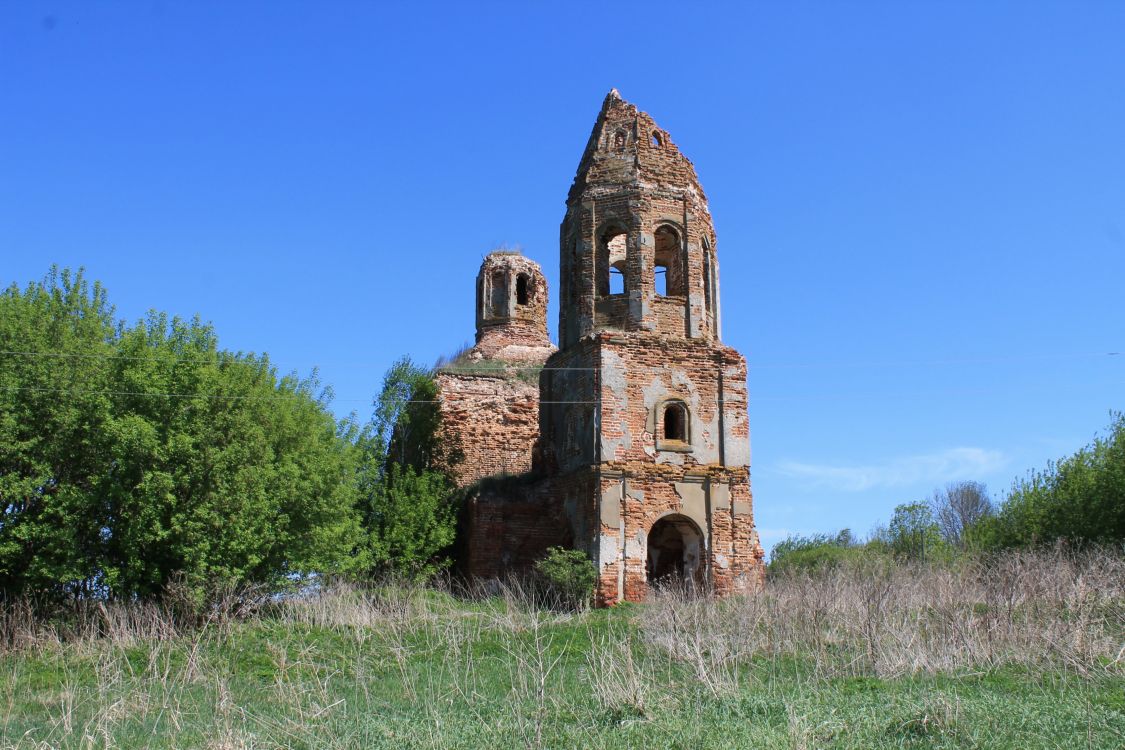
<point x="511" y="310"/>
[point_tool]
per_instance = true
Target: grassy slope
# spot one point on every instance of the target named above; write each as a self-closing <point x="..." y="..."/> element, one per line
<point x="429" y="671"/>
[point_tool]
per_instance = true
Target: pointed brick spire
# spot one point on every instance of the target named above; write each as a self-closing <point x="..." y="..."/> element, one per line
<point x="627" y="147"/>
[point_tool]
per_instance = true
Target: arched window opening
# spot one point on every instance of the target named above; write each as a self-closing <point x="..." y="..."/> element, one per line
<point x="614" y="251"/>
<point x="657" y="140"/>
<point x="498" y="299"/>
<point x="619" y="139"/>
<point x="669" y="264"/>
<point x="675" y="421"/>
<point x="522" y="296"/>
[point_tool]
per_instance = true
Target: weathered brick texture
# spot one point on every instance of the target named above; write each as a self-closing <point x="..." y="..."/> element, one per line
<point x="489" y="396"/>
<point x="634" y="443"/>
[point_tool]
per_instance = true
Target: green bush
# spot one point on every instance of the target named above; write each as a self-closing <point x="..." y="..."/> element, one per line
<point x="815" y="552"/>
<point x="567" y="577"/>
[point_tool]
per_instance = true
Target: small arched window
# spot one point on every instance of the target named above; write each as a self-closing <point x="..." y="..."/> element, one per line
<point x="657" y="140"/>
<point x="675" y="421"/>
<point x="619" y="139"/>
<point x="498" y="298"/>
<point x="522" y="294"/>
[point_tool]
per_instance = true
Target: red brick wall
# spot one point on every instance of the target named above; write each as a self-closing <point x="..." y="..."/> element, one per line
<point x="491" y="420"/>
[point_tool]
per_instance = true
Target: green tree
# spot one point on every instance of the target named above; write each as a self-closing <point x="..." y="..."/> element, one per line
<point x="236" y="475"/>
<point x="914" y="534"/>
<point x="407" y="502"/>
<point x="159" y="456"/>
<point x="411" y="521"/>
<point x="53" y="406"/>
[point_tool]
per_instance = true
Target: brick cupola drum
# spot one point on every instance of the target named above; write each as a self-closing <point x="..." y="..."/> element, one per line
<point x="630" y="442"/>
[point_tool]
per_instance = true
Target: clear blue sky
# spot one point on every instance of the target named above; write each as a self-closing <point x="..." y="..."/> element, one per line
<point x="920" y="206"/>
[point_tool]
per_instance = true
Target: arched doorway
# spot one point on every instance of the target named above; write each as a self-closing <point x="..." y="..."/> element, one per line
<point x="675" y="552"/>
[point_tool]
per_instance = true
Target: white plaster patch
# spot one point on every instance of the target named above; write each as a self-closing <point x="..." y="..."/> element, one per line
<point x="669" y="457"/>
<point x="737" y="448"/>
<point x="609" y="550"/>
<point x="614" y="381"/>
<point x="722" y="561"/>
<point x="637" y="547"/>
<point x="706" y="447"/>
<point x="654" y="392"/>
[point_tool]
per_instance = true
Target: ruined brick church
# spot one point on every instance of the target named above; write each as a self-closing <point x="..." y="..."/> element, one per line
<point x="631" y="440"/>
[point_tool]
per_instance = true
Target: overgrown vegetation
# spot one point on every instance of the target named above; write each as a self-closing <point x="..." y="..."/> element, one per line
<point x="1021" y="652"/>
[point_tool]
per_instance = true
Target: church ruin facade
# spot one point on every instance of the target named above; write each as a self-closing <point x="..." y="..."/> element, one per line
<point x="631" y="440"/>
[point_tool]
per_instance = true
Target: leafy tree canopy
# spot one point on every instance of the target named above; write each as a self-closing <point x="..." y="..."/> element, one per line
<point x="1080" y="498"/>
<point x="130" y="455"/>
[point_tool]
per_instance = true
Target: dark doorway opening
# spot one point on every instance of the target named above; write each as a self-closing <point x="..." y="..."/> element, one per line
<point x="675" y="552"/>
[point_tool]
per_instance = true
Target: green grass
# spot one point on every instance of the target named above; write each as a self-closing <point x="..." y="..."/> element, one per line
<point x="418" y="669"/>
<point x="493" y="368"/>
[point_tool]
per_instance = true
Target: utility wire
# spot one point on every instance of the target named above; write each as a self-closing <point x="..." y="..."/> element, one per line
<point x="473" y="370"/>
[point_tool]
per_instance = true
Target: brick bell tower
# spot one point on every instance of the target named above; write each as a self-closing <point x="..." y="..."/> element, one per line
<point x="643" y="407"/>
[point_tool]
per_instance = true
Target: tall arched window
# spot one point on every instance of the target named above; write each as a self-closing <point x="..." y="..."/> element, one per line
<point x="522" y="292"/>
<point x="706" y="274"/>
<point x="669" y="263"/>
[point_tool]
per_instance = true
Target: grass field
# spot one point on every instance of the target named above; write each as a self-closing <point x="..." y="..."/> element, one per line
<point x="1021" y="653"/>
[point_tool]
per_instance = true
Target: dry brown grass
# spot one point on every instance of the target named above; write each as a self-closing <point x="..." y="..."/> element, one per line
<point x="1056" y="610"/>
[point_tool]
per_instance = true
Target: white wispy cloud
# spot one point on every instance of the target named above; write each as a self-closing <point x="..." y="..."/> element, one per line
<point x="942" y="466"/>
